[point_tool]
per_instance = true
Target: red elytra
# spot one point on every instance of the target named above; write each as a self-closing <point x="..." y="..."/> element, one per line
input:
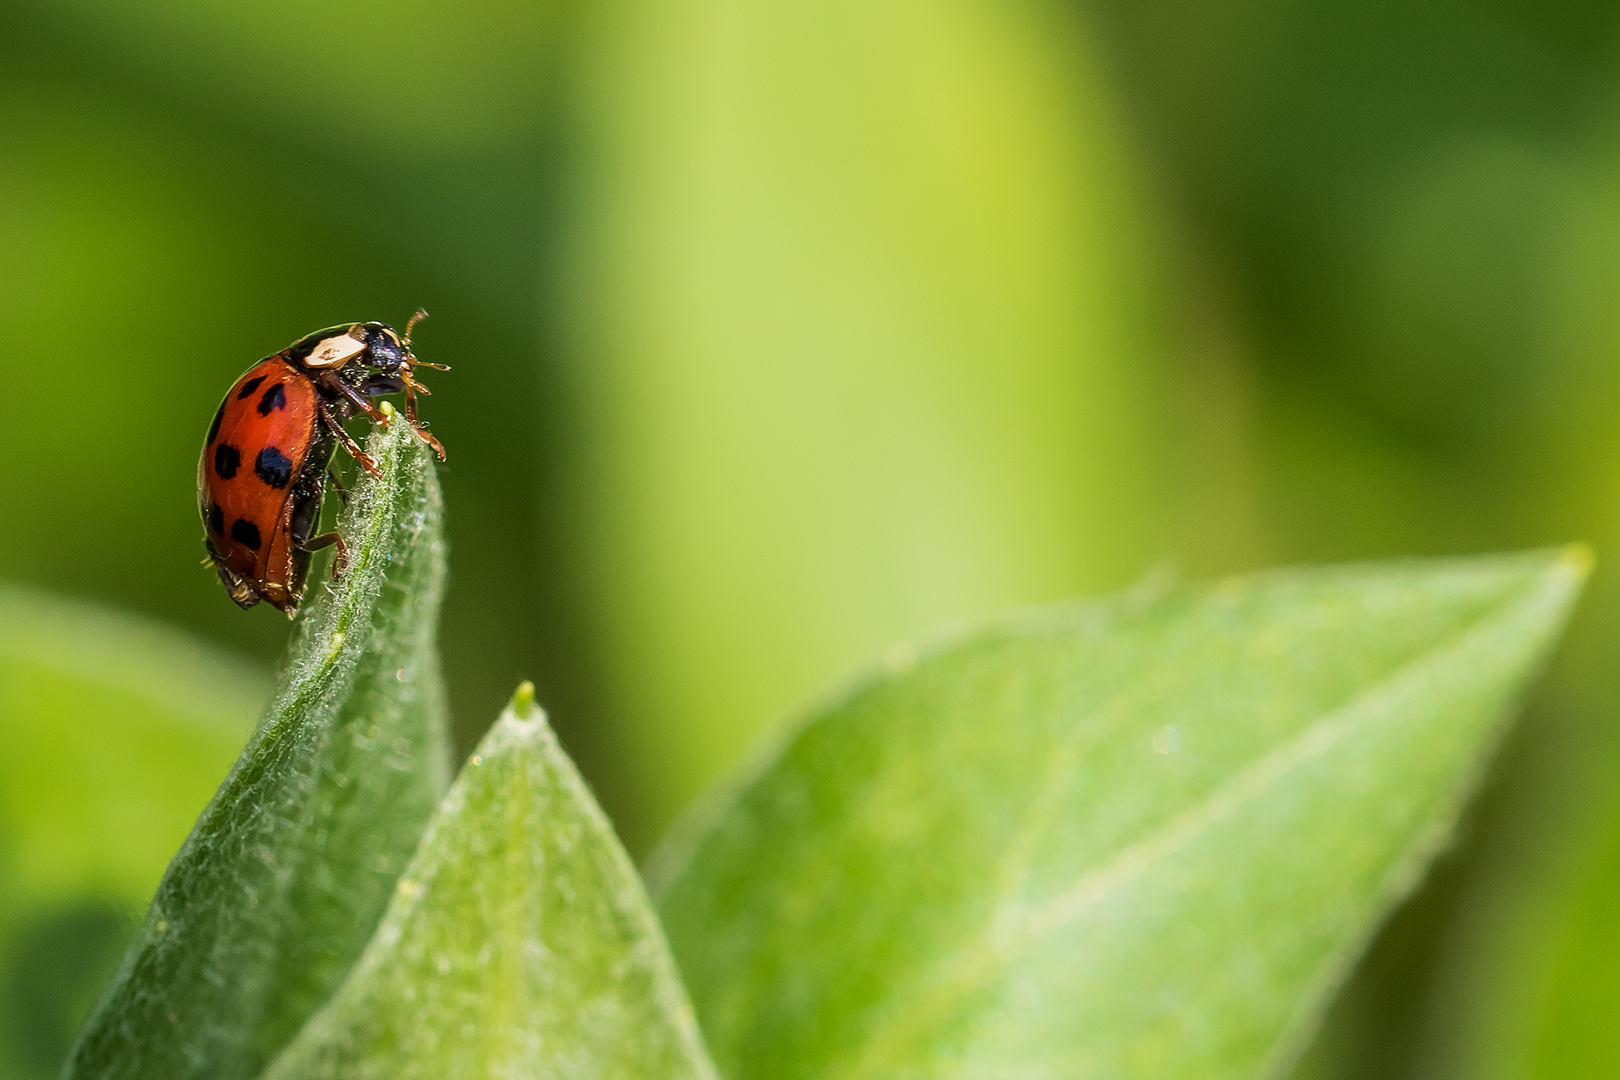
<point x="263" y="471"/>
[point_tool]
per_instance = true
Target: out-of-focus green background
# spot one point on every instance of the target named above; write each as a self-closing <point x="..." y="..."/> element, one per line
<point x="782" y="331"/>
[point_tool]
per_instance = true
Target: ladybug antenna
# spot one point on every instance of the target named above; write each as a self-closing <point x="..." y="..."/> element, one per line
<point x="418" y="317"/>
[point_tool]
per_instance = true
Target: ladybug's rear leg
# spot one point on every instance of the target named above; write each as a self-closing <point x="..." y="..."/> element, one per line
<point x="330" y="539"/>
<point x="333" y="425"/>
<point x="305" y="513"/>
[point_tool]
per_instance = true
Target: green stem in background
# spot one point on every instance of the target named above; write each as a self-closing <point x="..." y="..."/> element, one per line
<point x="270" y="901"/>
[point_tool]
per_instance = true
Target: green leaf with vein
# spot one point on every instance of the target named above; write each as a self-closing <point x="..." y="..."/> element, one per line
<point x="1143" y="836"/>
<point x="283" y="878"/>
<point x="519" y="943"/>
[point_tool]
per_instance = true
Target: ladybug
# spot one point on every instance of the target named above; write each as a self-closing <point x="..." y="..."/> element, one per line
<point x="264" y="465"/>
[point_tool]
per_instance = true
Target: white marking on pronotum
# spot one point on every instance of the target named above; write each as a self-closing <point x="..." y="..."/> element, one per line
<point x="334" y="352"/>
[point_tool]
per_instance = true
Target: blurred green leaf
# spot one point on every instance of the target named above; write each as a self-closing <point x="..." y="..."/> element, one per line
<point x="280" y="883"/>
<point x="114" y="731"/>
<point x="867" y="341"/>
<point x="1529" y="965"/>
<point x="1532" y="964"/>
<point x="370" y="78"/>
<point x="519" y="943"/>
<point x="1535" y="964"/>
<point x="1140" y="837"/>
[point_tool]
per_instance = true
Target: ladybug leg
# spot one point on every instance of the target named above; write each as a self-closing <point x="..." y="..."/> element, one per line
<point x="404" y="383"/>
<point x="411" y="388"/>
<point x="367" y="462"/>
<point x="331" y="539"/>
<point x="306" y="512"/>
<point x="354" y="397"/>
<point x="241" y="590"/>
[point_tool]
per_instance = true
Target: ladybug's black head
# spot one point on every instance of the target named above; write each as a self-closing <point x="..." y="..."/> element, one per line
<point x="390" y="353"/>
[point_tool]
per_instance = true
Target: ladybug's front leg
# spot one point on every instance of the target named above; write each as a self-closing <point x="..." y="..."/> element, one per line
<point x="405" y="383"/>
<point x="367" y="462"/>
<point x="330" y="380"/>
<point x="411" y="388"/>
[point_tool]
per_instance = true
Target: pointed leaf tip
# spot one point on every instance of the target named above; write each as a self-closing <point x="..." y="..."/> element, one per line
<point x="523" y="704"/>
<point x="519" y="943"/>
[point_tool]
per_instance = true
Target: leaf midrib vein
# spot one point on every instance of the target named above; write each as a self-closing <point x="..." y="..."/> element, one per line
<point x="1014" y="926"/>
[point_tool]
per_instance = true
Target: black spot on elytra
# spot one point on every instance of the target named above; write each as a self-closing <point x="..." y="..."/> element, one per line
<point x="273" y="467"/>
<point x="274" y="398"/>
<point x="248" y="388"/>
<point x="246" y="533"/>
<point x="216" y="519"/>
<point x="213" y="429"/>
<point x="227" y="459"/>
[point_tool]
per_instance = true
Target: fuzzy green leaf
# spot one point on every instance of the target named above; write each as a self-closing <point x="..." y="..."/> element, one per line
<point x="1139" y="837"/>
<point x="519" y="943"/>
<point x="284" y="877"/>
